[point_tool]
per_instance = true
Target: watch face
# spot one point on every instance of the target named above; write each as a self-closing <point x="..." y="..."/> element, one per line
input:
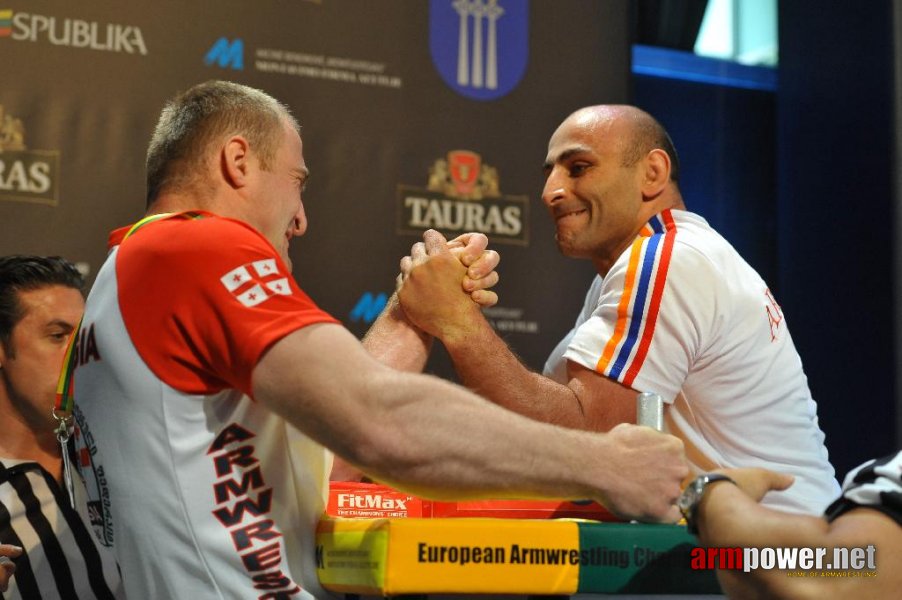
<point x="692" y="495"/>
<point x="689" y="497"/>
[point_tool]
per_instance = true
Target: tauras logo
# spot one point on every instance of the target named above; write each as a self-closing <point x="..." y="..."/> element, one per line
<point x="77" y="33"/>
<point x="370" y="501"/>
<point x="463" y="194"/>
<point x="25" y="175"/>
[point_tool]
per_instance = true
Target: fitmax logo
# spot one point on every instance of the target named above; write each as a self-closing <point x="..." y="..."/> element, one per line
<point x="226" y="54"/>
<point x="368" y="501"/>
<point x="368" y="307"/>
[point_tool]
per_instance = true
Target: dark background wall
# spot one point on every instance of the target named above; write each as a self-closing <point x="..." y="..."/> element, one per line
<point x="835" y="212"/>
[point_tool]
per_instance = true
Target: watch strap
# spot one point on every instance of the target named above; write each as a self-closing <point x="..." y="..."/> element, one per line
<point x="692" y="497"/>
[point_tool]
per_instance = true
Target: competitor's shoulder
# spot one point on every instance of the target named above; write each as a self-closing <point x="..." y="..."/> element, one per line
<point x="695" y="247"/>
<point x="183" y="236"/>
<point x="199" y="228"/>
<point x="671" y="241"/>
<point x="693" y="232"/>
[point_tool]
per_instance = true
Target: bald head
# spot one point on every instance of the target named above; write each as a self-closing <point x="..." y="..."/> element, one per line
<point x="635" y="131"/>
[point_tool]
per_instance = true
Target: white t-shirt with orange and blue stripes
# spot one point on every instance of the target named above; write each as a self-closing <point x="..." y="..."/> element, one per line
<point x="681" y="311"/>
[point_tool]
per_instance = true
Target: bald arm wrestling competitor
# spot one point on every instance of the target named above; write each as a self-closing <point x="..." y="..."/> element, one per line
<point x="209" y="385"/>
<point x="674" y="310"/>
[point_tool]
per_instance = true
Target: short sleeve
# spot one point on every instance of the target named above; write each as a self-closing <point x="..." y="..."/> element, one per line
<point x="651" y="318"/>
<point x="203" y="299"/>
<point x="556" y="365"/>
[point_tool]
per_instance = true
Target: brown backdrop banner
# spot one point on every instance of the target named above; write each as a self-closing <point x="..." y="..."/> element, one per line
<point x="415" y="114"/>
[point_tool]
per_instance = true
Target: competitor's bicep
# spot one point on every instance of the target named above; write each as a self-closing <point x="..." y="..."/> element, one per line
<point x="606" y="403"/>
<point x="317" y="378"/>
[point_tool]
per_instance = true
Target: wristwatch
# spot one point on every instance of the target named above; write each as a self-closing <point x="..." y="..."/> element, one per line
<point x="692" y="497"/>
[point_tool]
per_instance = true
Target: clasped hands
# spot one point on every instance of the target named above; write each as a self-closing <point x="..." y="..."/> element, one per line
<point x="444" y="284"/>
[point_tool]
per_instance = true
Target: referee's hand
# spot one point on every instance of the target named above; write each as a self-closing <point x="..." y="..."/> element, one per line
<point x="7" y="566"/>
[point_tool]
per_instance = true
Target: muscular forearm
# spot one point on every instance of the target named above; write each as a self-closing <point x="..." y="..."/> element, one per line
<point x="487" y="365"/>
<point x="404" y="427"/>
<point x="395" y="342"/>
<point x="434" y="438"/>
<point x="729" y="517"/>
<point x="419" y="445"/>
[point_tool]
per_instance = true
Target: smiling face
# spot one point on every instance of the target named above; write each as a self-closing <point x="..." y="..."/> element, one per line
<point x="31" y="360"/>
<point x="594" y="200"/>
<point x="279" y="209"/>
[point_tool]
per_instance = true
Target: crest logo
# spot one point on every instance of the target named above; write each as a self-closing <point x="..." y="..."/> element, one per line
<point x="25" y="175"/>
<point x="464" y="167"/>
<point x="480" y="47"/>
<point x="90" y="466"/>
<point x="12" y="132"/>
<point x="463" y="194"/>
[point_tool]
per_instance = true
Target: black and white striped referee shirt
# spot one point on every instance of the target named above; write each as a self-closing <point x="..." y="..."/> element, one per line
<point x="875" y="484"/>
<point x="61" y="558"/>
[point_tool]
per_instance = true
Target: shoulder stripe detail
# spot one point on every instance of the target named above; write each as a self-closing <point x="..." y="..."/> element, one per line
<point x="656" y="224"/>
<point x="639" y="305"/>
<point x="622" y="309"/>
<point x="636" y="320"/>
<point x="652" y="316"/>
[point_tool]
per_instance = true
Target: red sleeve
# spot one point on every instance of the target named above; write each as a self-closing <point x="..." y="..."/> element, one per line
<point x="203" y="299"/>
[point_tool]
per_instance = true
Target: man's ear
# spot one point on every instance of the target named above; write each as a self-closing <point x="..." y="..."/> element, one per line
<point x="657" y="173"/>
<point x="235" y="161"/>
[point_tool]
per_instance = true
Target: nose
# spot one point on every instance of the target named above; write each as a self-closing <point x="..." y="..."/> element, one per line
<point x="554" y="189"/>
<point x="299" y="223"/>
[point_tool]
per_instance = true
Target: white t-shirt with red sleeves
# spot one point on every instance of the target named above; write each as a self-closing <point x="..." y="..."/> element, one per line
<point x="200" y="491"/>
<point x="680" y="310"/>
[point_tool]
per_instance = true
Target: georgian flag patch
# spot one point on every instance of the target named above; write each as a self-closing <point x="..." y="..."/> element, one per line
<point x="256" y="282"/>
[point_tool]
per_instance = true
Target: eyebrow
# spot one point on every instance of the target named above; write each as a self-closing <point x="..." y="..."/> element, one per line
<point x="565" y="155"/>
<point x="60" y="323"/>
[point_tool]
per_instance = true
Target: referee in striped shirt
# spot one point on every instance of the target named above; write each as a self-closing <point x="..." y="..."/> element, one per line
<point x="40" y="305"/>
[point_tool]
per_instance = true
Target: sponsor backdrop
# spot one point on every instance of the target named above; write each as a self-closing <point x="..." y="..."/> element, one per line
<point x="414" y="115"/>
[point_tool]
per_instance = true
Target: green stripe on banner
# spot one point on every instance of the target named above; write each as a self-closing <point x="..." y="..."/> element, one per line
<point x="639" y="559"/>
